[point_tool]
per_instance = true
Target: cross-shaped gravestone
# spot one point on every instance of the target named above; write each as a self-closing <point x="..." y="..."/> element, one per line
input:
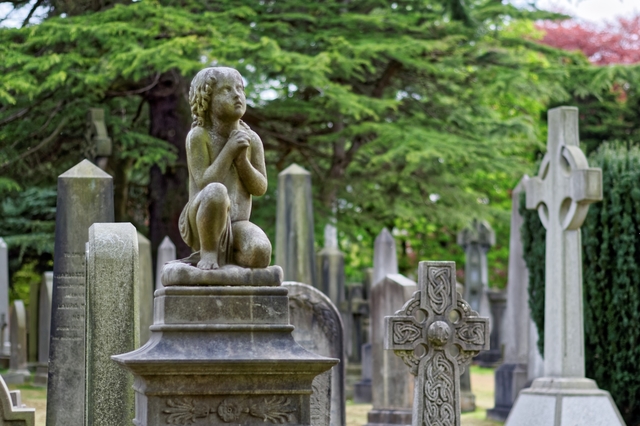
<point x="436" y="334"/>
<point x="562" y="193"/>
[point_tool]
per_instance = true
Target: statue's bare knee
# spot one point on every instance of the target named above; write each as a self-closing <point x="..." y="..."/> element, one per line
<point x="214" y="194"/>
<point x="253" y="248"/>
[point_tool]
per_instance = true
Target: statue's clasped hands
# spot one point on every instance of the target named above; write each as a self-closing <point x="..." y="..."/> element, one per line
<point x="238" y="143"/>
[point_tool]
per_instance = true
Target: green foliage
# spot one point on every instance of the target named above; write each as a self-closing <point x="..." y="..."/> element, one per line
<point x="533" y="236"/>
<point x="611" y="255"/>
<point x="611" y="280"/>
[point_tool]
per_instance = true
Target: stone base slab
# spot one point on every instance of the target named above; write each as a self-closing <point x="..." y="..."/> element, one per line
<point x="389" y="417"/>
<point x="564" y="402"/>
<point x="179" y="273"/>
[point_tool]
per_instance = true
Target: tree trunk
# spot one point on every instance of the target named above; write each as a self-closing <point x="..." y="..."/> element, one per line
<point x="170" y="120"/>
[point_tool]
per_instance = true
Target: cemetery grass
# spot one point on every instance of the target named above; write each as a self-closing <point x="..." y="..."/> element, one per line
<point x="482" y="380"/>
<point x="481" y="383"/>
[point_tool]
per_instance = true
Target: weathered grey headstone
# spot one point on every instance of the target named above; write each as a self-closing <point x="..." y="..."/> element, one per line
<point x="330" y="263"/>
<point x="392" y="384"/>
<point x="436" y="334"/>
<point x="497" y="306"/>
<point x="362" y="389"/>
<point x="32" y="321"/>
<point x="295" y="252"/>
<point x="145" y="283"/>
<point x="512" y="375"/>
<point x="166" y="253"/>
<point x="467" y="398"/>
<point x="318" y="328"/>
<point x="112" y="321"/>
<point x="18" y="371"/>
<point x="562" y="193"/>
<point x="385" y="258"/>
<point x="85" y="196"/>
<point x="476" y="240"/>
<point x="14" y="414"/>
<point x="4" y="295"/>
<point x="44" y="329"/>
<point x="357" y="311"/>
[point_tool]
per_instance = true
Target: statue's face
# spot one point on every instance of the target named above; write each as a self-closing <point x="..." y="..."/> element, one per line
<point x="228" y="101"/>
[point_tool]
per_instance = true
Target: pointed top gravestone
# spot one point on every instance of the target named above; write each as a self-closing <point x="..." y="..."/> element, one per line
<point x="295" y="251"/>
<point x="85" y="196"/>
<point x="166" y="253"/>
<point x="385" y="258"/>
<point x="330" y="262"/>
<point x="436" y="334"/>
<point x="4" y="293"/>
<point x="562" y="193"/>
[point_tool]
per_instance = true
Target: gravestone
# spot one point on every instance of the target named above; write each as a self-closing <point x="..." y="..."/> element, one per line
<point x="497" y="306"/>
<point x="392" y="385"/>
<point x="85" y="196"/>
<point x="385" y="258"/>
<point x="362" y="389"/>
<point x="112" y="324"/>
<point x="318" y="329"/>
<point x="357" y="312"/>
<point x="44" y="329"/>
<point x="4" y="296"/>
<point x="18" y="371"/>
<point x="295" y="252"/>
<point x="14" y="414"/>
<point x="145" y="283"/>
<point x="512" y="375"/>
<point x="166" y="253"/>
<point x="562" y="193"/>
<point x="32" y="322"/>
<point x="467" y="398"/>
<point x="436" y="334"/>
<point x="330" y="263"/>
<point x="476" y="240"/>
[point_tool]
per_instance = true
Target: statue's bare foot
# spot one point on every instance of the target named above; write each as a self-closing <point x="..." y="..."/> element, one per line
<point x="208" y="260"/>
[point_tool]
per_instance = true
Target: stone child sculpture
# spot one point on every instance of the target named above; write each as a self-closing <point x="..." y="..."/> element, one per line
<point x="226" y="167"/>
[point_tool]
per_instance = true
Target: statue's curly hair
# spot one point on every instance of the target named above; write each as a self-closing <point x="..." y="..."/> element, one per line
<point x="200" y="94"/>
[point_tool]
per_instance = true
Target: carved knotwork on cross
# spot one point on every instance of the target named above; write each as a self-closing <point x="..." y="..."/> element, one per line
<point x="436" y="334"/>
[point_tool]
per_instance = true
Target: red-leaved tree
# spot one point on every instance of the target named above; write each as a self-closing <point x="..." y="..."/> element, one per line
<point x="617" y="42"/>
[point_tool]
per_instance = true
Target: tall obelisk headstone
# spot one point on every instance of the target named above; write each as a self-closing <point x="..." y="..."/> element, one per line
<point x="467" y="397"/>
<point x="562" y="193"/>
<point x="85" y="196"/>
<point x="392" y="383"/>
<point x="112" y="321"/>
<point x="166" y="253"/>
<point x="145" y="282"/>
<point x="294" y="227"/>
<point x="4" y="295"/>
<point x="44" y="329"/>
<point x="512" y="375"/>
<point x="330" y="262"/>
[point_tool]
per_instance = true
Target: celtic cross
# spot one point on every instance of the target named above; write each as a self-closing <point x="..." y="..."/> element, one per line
<point x="436" y="334"/>
<point x="562" y="193"/>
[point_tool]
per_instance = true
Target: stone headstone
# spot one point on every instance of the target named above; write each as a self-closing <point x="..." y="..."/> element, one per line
<point x="145" y="283"/>
<point x="295" y="251"/>
<point x="14" y="414"/>
<point x="357" y="313"/>
<point x="4" y="295"/>
<point x="385" y="258"/>
<point x="330" y="263"/>
<point x="392" y="384"/>
<point x="18" y="371"/>
<point x="44" y="329"/>
<point x="467" y="398"/>
<point x="362" y="389"/>
<point x="85" y="196"/>
<point x="112" y="324"/>
<point x="166" y="253"/>
<point x="497" y="306"/>
<point x="562" y="193"/>
<point x="436" y="335"/>
<point x="32" y="321"/>
<point x="318" y="328"/>
<point x="512" y="375"/>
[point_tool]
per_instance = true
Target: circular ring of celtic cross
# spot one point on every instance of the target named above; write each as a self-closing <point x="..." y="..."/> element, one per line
<point x="439" y="333"/>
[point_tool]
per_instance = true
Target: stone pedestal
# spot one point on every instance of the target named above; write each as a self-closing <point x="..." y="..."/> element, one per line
<point x="221" y="355"/>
